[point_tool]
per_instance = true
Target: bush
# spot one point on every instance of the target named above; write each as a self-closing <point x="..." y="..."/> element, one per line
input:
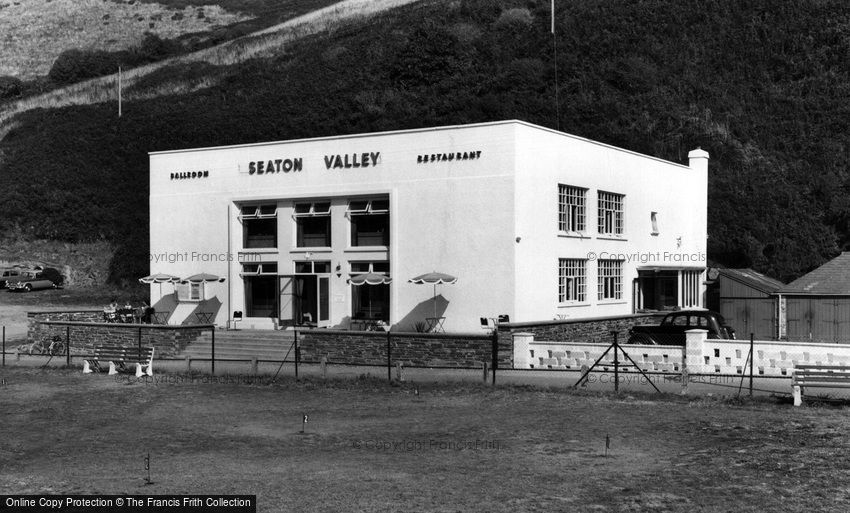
<point x="75" y="65"/>
<point x="10" y="87"/>
<point x="514" y="18"/>
<point x="53" y="275"/>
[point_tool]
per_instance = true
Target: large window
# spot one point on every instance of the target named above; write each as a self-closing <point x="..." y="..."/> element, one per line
<point x="261" y="290"/>
<point x="313" y="221"/>
<point x="572" y="282"/>
<point x="571" y="208"/>
<point x="370" y="222"/>
<point x="259" y="226"/>
<point x="610" y="213"/>
<point x="370" y="302"/>
<point x="610" y="279"/>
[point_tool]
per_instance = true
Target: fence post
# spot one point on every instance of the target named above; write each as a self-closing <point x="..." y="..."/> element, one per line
<point x="68" y="346"/>
<point x="495" y="364"/>
<point x="616" y="364"/>
<point x="4" y="346"/>
<point x="324" y="367"/>
<point x="389" y="359"/>
<point x="188" y="363"/>
<point x="752" y="357"/>
<point x="212" y="353"/>
<point x="297" y="354"/>
<point x="254" y="366"/>
<point x="484" y="367"/>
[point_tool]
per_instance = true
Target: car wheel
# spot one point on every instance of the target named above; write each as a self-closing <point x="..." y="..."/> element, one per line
<point x="27" y="288"/>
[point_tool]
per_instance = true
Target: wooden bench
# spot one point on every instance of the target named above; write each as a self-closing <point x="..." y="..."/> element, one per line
<point x="120" y="358"/>
<point x="818" y="376"/>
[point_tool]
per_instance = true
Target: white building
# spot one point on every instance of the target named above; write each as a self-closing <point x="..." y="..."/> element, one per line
<point x="534" y="223"/>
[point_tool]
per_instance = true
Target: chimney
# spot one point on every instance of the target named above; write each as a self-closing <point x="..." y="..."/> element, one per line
<point x="698" y="160"/>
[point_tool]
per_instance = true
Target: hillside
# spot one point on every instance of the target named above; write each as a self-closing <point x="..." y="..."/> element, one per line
<point x="762" y="87"/>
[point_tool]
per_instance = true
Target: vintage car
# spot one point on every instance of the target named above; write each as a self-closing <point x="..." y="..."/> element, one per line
<point x="11" y="274"/>
<point x="672" y="329"/>
<point x="36" y="280"/>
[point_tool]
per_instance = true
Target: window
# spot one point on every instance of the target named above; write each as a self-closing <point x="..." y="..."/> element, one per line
<point x="259" y="226"/>
<point x="610" y="279"/>
<point x="313" y="222"/>
<point x="190" y="292"/>
<point x="370" y="222"/>
<point x="571" y="202"/>
<point x="571" y="280"/>
<point x="312" y="267"/>
<point x="610" y="213"/>
<point x="370" y="267"/>
<point x="370" y="302"/>
<point x="267" y="268"/>
<point x="691" y="288"/>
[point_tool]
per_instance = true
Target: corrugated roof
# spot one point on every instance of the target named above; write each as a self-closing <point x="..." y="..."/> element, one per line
<point x="753" y="279"/>
<point x="832" y="277"/>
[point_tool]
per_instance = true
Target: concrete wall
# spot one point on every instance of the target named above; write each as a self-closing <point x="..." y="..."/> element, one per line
<point x="677" y="193"/>
<point x="449" y="216"/>
<point x="700" y="355"/>
<point x="489" y="220"/>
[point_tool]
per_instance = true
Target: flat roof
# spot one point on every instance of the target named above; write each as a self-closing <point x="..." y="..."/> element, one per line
<point x="420" y="130"/>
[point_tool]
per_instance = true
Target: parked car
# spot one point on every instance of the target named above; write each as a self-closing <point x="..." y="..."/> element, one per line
<point x="673" y="326"/>
<point x="11" y="274"/>
<point x="47" y="278"/>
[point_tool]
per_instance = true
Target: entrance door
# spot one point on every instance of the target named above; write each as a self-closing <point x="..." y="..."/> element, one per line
<point x="305" y="300"/>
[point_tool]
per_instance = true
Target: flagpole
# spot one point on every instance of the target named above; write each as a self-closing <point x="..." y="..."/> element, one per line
<point x="119" y="90"/>
<point x="555" y="57"/>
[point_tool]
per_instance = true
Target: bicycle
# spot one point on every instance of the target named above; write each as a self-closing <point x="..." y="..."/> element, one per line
<point x="56" y="346"/>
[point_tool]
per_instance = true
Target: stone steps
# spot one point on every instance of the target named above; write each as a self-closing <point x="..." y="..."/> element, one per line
<point x="243" y="344"/>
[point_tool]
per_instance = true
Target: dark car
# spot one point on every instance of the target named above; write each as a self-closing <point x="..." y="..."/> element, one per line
<point x="673" y="326"/>
<point x="47" y="278"/>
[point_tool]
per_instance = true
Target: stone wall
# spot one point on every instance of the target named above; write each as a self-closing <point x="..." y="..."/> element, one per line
<point x="595" y="330"/>
<point x="85" y="333"/>
<point x="411" y="349"/>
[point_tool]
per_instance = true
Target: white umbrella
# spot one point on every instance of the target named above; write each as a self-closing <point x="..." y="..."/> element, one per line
<point x="434" y="278"/>
<point x="203" y="278"/>
<point x="160" y="278"/>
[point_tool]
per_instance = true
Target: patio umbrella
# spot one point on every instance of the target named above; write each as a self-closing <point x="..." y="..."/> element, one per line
<point x="203" y="278"/>
<point x="370" y="279"/>
<point x="160" y="278"/>
<point x="434" y="278"/>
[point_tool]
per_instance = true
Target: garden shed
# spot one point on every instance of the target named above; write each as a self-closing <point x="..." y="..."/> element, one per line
<point x="816" y="306"/>
<point x="749" y="303"/>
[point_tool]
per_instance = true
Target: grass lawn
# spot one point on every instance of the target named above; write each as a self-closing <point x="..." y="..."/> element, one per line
<point x="373" y="447"/>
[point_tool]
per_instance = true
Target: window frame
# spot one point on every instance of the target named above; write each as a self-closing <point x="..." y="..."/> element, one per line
<point x="611" y="217"/>
<point x="572" y="216"/>
<point x="312" y="213"/>
<point x="370" y="209"/>
<point x="609" y="280"/>
<point x="572" y="288"/>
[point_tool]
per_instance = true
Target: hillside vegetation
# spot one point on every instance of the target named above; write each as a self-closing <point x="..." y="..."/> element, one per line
<point x="761" y="86"/>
